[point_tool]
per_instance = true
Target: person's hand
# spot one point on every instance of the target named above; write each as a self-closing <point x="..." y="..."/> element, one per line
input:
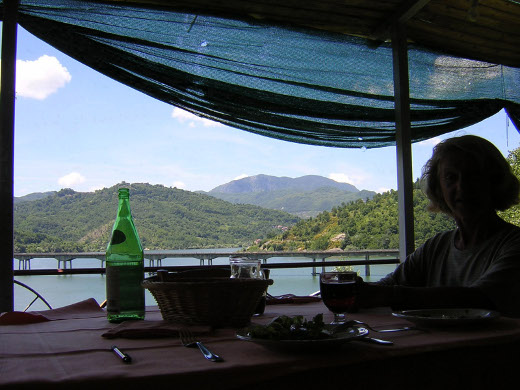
<point x="371" y="295"/>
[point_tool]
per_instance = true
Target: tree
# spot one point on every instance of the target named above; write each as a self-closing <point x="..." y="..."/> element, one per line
<point x="512" y="215"/>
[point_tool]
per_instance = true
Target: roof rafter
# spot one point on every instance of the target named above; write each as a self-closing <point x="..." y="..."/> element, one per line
<point x="404" y="13"/>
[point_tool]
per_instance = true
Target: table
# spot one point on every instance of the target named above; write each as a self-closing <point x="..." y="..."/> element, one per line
<point x="68" y="352"/>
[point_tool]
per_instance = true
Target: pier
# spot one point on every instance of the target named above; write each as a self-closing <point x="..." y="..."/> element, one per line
<point x="154" y="259"/>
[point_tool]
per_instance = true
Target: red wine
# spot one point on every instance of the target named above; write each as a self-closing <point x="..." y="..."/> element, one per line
<point x="338" y="297"/>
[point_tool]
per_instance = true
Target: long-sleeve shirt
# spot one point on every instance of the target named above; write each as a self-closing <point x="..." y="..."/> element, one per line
<point x="493" y="266"/>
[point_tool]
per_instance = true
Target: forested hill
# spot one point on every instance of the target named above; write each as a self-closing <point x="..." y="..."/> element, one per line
<point x="372" y="224"/>
<point x="169" y="218"/>
<point x="304" y="196"/>
<point x="359" y="225"/>
<point x="166" y="218"/>
<point x="33" y="196"/>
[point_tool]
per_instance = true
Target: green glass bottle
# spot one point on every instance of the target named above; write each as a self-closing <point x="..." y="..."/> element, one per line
<point x="124" y="267"/>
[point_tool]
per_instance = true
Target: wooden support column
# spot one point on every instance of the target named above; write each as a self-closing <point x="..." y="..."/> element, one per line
<point x="7" y="103"/>
<point x="403" y="141"/>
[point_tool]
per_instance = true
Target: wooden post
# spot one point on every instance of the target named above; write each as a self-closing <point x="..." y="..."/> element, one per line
<point x="367" y="266"/>
<point x="403" y="141"/>
<point x="7" y="104"/>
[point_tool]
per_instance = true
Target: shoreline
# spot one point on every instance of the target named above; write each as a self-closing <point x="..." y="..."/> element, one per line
<point x="62" y="290"/>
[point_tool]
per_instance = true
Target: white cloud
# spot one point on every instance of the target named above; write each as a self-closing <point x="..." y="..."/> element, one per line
<point x="382" y="189"/>
<point x="357" y="177"/>
<point x="185" y="116"/>
<point x="72" y="179"/>
<point x="242" y="176"/>
<point x="341" y="178"/>
<point x="430" y="142"/>
<point x="41" y="78"/>
<point x="179" y="184"/>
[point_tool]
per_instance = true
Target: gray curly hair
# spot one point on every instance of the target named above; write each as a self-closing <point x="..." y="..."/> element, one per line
<point x="503" y="185"/>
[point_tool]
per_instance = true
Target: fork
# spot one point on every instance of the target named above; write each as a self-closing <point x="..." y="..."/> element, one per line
<point x="356" y="322"/>
<point x="189" y="341"/>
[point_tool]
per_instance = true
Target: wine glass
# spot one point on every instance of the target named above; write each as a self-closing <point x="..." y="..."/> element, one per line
<point x="338" y="291"/>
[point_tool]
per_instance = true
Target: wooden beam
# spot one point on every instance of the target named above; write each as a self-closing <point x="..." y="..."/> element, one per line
<point x="7" y="102"/>
<point x="403" y="141"/>
<point x="404" y="13"/>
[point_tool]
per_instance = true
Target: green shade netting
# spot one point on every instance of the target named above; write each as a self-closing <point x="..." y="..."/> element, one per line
<point x="302" y="86"/>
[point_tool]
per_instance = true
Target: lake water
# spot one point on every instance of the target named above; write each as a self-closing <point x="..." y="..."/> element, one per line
<point x="61" y="290"/>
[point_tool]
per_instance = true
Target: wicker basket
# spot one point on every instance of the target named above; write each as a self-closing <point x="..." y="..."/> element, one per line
<point x="210" y="300"/>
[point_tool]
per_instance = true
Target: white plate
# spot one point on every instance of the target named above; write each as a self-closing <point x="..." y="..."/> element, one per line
<point x="349" y="334"/>
<point x="436" y="317"/>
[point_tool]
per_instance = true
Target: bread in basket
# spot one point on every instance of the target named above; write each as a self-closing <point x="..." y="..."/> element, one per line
<point x="206" y="298"/>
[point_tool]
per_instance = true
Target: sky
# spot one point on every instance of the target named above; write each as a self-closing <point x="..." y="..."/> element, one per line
<point x="76" y="128"/>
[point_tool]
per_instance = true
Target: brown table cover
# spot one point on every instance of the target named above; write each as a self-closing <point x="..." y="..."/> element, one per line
<point x="69" y="351"/>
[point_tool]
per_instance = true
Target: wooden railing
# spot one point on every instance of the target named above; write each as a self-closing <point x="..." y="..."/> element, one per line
<point x="319" y="259"/>
<point x="154" y="258"/>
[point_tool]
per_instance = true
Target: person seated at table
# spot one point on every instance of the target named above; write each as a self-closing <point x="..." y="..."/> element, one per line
<point x="478" y="263"/>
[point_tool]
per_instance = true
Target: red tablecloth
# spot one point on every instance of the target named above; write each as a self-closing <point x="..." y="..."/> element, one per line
<point x="68" y="351"/>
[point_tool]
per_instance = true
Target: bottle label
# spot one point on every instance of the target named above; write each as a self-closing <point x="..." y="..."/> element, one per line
<point x="124" y="290"/>
<point x="112" y="285"/>
<point x="118" y="237"/>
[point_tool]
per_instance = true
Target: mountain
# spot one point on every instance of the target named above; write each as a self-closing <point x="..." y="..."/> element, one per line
<point x="33" y="196"/>
<point x="305" y="196"/>
<point x="166" y="218"/>
<point x="261" y="183"/>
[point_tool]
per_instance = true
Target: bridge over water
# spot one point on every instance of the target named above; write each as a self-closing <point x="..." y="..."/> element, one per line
<point x="154" y="258"/>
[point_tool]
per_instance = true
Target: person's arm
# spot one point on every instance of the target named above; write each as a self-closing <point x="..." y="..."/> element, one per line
<point x="401" y="297"/>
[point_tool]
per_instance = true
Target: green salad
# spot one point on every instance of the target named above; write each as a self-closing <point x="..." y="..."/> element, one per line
<point x="291" y="328"/>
